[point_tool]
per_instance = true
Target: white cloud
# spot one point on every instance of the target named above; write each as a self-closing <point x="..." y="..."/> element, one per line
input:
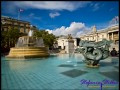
<point x="50" y="31"/>
<point x="96" y="7"/>
<point x="38" y="18"/>
<point x="91" y="4"/>
<point x="12" y="6"/>
<point x="31" y="14"/>
<point x="75" y="29"/>
<point x="52" y="15"/>
<point x="8" y="8"/>
<point x="52" y="5"/>
<point x="114" y="20"/>
<point x="111" y="9"/>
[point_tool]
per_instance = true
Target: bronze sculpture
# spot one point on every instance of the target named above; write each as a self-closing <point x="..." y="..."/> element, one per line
<point x="93" y="52"/>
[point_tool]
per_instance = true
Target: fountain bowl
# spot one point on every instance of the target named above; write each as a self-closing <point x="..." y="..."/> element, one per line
<point x="28" y="52"/>
<point x="29" y="47"/>
<point x="91" y="66"/>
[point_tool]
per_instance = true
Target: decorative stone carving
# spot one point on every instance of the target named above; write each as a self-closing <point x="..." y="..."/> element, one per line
<point x="69" y="36"/>
<point x="69" y="48"/>
<point x="93" y="52"/>
<point x="70" y="39"/>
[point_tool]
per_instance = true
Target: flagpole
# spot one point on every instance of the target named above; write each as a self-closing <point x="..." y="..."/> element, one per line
<point x="115" y="19"/>
<point x="18" y="14"/>
<point x="18" y="19"/>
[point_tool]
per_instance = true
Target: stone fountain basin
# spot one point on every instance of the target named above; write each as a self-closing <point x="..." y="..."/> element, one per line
<point x="28" y="52"/>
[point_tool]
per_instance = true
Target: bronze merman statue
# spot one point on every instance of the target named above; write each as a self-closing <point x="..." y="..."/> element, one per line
<point x="93" y="52"/>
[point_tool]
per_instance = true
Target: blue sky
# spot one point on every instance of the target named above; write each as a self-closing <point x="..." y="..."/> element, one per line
<point x="63" y="17"/>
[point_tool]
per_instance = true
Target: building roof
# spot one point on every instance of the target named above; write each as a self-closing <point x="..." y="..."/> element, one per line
<point x="6" y="17"/>
<point x="101" y="30"/>
<point x="62" y="37"/>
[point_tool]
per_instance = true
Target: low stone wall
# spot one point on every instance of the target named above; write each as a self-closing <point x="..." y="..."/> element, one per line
<point x="114" y="46"/>
<point x="26" y="52"/>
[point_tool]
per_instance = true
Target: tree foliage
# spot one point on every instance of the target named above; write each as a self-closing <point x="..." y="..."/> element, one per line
<point x="47" y="38"/>
<point x="10" y="37"/>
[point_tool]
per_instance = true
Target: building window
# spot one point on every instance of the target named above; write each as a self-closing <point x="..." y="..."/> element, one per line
<point x="59" y="47"/>
<point x="102" y="36"/>
<point x="2" y="29"/>
<point x="21" y="24"/>
<point x="15" y="23"/>
<point x="8" y="22"/>
<point x="22" y="30"/>
<point x="5" y="29"/>
<point x="27" y="30"/>
<point x="27" y="25"/>
<point x="117" y="42"/>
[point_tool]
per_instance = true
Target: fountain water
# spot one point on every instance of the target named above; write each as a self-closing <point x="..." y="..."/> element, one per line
<point x="71" y="55"/>
<point x="30" y="33"/>
<point x="29" y="47"/>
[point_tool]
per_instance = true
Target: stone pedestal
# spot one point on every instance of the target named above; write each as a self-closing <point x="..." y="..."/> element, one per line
<point x="69" y="46"/>
<point x="28" y="52"/>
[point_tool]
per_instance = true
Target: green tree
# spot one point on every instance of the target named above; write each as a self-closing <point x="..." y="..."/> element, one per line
<point x="4" y="39"/>
<point x="47" y="38"/>
<point x="13" y="35"/>
<point x="10" y="37"/>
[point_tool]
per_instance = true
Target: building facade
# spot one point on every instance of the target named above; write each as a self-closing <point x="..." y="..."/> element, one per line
<point x="110" y="33"/>
<point x="62" y="42"/>
<point x="7" y="22"/>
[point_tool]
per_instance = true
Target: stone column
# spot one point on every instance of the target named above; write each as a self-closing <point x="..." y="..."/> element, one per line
<point x="63" y="44"/>
<point x="118" y="33"/>
<point x="108" y="36"/>
<point x="113" y="38"/>
<point x="69" y="46"/>
<point x="112" y="35"/>
<point x="97" y="37"/>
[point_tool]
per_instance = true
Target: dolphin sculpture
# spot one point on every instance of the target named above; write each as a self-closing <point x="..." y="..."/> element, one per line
<point x="93" y="52"/>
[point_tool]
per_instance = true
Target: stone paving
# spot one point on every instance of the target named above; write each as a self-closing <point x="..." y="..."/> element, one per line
<point x="56" y="73"/>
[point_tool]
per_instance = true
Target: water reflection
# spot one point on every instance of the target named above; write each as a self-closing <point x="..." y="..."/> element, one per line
<point x="43" y="63"/>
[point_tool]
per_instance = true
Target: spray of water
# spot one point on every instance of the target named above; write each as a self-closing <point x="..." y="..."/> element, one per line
<point x="29" y="40"/>
<point x="30" y="33"/>
<point x="71" y="55"/>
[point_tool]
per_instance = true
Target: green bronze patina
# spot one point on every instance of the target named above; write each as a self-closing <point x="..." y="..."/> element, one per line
<point x="93" y="52"/>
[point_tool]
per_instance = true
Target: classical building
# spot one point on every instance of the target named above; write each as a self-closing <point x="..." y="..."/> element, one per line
<point x="109" y="33"/>
<point x="7" y="22"/>
<point x="62" y="42"/>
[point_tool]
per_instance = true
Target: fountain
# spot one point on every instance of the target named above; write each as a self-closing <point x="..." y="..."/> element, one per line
<point x="70" y="49"/>
<point x="29" y="47"/>
<point x="93" y="52"/>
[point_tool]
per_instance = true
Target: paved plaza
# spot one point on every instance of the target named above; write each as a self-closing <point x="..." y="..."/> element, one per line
<point x="56" y="72"/>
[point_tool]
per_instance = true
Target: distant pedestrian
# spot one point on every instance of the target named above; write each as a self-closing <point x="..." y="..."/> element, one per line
<point x="113" y="52"/>
<point x="118" y="53"/>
